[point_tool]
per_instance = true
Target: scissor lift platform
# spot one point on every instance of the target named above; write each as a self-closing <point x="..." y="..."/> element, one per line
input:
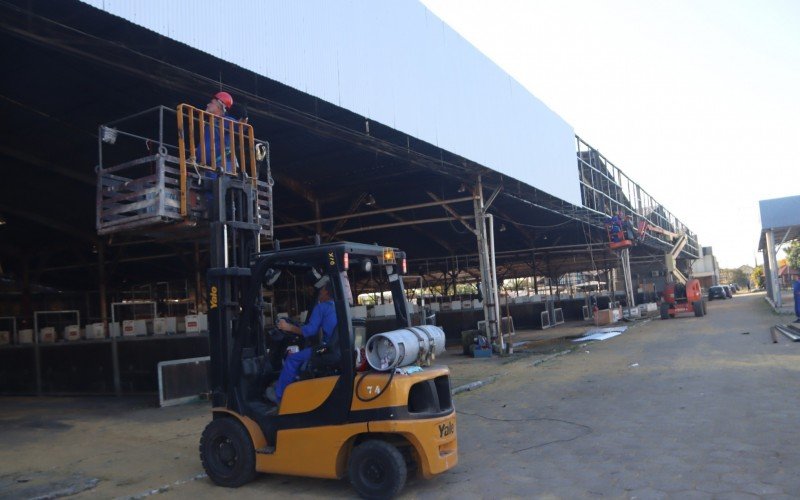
<point x="165" y="192"/>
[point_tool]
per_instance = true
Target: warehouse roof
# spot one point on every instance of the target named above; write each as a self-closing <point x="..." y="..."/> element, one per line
<point x="337" y="173"/>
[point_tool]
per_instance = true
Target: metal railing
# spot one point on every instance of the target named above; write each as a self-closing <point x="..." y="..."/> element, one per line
<point x="144" y="181"/>
<point x="607" y="190"/>
<point x="210" y="142"/>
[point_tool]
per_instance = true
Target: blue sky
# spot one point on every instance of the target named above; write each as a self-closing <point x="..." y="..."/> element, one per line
<point x="697" y="101"/>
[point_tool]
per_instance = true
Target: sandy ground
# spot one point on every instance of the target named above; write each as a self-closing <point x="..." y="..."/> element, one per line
<point x="683" y="408"/>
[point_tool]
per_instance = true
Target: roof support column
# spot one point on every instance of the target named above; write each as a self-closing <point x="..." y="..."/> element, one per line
<point x="488" y="273"/>
<point x="771" y="272"/>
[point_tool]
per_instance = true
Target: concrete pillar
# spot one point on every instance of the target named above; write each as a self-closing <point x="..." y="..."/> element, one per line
<point x="772" y="276"/>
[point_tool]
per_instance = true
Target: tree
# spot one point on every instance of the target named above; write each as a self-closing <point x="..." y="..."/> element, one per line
<point x="793" y="254"/>
<point x="758" y="276"/>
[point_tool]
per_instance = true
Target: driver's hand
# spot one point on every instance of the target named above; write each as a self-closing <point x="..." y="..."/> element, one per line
<point x="282" y="324"/>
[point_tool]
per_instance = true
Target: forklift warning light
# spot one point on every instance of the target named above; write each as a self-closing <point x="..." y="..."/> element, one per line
<point x="388" y="256"/>
<point x="346" y="260"/>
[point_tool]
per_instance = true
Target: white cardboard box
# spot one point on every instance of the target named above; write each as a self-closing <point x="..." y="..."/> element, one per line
<point x="632" y="312"/>
<point x="134" y="328"/>
<point x="192" y="324"/>
<point x="358" y="311"/>
<point x="455" y="305"/>
<point x="202" y="318"/>
<point x="5" y="337"/>
<point x="72" y="332"/>
<point x="383" y="310"/>
<point x="47" y="334"/>
<point x="165" y="326"/>
<point x="95" y="331"/>
<point x="25" y="336"/>
<point x="114" y="330"/>
<point x="435" y="306"/>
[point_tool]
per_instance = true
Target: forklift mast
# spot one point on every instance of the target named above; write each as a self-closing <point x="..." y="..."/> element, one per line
<point x="234" y="239"/>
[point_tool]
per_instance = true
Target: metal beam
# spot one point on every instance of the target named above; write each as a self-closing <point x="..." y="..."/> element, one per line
<point x="452" y="212"/>
<point x="51" y="223"/>
<point x="52" y="167"/>
<point x="372" y="212"/>
<point x="385" y="226"/>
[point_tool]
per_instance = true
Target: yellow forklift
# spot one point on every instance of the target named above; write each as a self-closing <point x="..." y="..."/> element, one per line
<point x="372" y="426"/>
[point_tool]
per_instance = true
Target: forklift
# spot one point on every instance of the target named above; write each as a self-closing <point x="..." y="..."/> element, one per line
<point x="339" y="419"/>
<point x="374" y="427"/>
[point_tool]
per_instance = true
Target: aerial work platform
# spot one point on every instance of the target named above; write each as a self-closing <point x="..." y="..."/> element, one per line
<point x="155" y="171"/>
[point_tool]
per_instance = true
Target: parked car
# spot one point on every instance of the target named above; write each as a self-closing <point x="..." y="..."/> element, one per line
<point x="717" y="292"/>
<point x="728" y="292"/>
<point x="734" y="287"/>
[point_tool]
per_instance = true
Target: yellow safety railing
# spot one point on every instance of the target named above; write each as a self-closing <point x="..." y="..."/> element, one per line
<point x="202" y="134"/>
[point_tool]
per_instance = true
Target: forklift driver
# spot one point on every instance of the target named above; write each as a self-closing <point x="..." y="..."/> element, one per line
<point x="323" y="316"/>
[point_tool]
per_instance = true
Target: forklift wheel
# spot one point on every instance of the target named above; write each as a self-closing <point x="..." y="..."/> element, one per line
<point x="227" y="453"/>
<point x="377" y="469"/>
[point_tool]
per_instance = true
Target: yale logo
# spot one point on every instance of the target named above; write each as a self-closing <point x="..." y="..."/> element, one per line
<point x="446" y="429"/>
<point x="213" y="298"/>
<point x="331" y="259"/>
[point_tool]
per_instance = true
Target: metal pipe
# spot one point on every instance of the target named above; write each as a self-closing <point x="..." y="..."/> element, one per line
<point x="136" y="115"/>
<point x="495" y="286"/>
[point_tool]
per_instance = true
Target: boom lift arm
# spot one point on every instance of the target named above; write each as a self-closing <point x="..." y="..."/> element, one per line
<point x="672" y="255"/>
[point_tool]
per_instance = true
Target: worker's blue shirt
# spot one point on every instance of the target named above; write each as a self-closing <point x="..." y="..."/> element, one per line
<point x="323" y="316"/>
<point x="223" y="155"/>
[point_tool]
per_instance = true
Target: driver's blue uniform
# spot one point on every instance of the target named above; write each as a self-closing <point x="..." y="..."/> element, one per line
<point x="323" y="316"/>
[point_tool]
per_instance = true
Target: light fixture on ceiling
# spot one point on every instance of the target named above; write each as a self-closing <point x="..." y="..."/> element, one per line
<point x="370" y="200"/>
<point x="2" y="221"/>
<point x="462" y="188"/>
<point x="502" y="228"/>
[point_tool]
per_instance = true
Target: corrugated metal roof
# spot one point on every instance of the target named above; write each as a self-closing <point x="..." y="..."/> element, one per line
<point x="394" y="62"/>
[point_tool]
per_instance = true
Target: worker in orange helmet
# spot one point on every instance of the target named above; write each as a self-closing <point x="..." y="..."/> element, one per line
<point x="219" y="105"/>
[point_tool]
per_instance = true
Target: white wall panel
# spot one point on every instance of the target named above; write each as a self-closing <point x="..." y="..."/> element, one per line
<point x="392" y="61"/>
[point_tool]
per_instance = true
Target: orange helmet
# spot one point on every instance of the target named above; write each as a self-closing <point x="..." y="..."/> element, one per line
<point x="226" y="100"/>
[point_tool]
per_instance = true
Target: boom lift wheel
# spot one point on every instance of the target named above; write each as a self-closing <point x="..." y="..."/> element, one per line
<point x="227" y="453"/>
<point x="377" y="469"/>
<point x="664" y="310"/>
<point x="698" y="308"/>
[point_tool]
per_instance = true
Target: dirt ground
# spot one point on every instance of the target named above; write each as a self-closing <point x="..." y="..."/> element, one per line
<point x="683" y="408"/>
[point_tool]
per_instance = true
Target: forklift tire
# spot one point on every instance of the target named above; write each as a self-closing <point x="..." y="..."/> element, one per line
<point x="377" y="469"/>
<point x="697" y="306"/>
<point x="227" y="453"/>
<point x="664" y="310"/>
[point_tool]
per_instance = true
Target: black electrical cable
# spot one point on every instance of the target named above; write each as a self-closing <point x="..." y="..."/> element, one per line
<point x="379" y="393"/>
<point x="587" y="430"/>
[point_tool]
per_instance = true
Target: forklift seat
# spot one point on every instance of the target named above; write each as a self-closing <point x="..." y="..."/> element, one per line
<point x="324" y="362"/>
